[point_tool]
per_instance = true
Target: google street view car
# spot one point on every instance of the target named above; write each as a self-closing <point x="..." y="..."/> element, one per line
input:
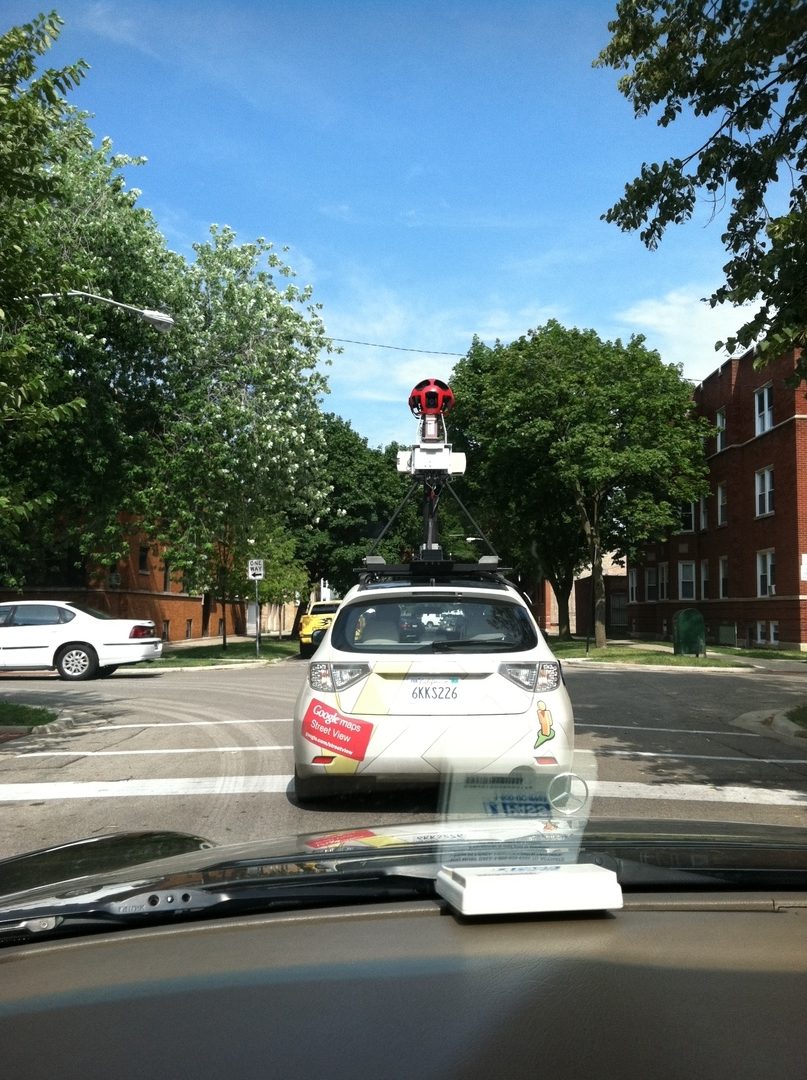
<point x="431" y="668"/>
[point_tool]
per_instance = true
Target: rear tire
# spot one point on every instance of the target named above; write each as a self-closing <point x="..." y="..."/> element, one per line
<point x="77" y="661"/>
<point x="311" y="788"/>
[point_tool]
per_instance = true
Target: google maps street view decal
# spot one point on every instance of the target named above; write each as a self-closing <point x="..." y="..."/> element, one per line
<point x="435" y="671"/>
<point x="326" y="727"/>
<point x="545" y="720"/>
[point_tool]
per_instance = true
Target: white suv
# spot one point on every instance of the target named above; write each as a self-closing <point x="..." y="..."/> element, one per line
<point x="419" y="677"/>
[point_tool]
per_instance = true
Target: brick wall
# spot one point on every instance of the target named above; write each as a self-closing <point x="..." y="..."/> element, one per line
<point x="746" y="532"/>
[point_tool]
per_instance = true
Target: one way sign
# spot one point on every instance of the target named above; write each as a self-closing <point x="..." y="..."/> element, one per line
<point x="255" y="570"/>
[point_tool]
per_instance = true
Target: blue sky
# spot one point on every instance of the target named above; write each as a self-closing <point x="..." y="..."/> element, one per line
<point x="436" y="168"/>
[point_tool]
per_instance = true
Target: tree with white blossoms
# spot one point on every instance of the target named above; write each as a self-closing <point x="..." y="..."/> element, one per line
<point x="240" y="444"/>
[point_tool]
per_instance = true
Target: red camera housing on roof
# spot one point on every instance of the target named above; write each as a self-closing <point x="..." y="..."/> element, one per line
<point x="431" y="397"/>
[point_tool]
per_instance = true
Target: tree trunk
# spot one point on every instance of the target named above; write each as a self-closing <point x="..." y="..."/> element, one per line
<point x="564" y="629"/>
<point x="589" y="519"/>
<point x="598" y="589"/>
<point x="223" y="583"/>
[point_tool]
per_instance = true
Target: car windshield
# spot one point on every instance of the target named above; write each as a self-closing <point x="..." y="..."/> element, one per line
<point x="421" y="624"/>
<point x="476" y="328"/>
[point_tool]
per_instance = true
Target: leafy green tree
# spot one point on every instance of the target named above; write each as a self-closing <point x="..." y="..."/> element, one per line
<point x="77" y="476"/>
<point x="239" y="441"/>
<point x="741" y="64"/>
<point x="575" y="439"/>
<point x="285" y="576"/>
<point x="32" y="105"/>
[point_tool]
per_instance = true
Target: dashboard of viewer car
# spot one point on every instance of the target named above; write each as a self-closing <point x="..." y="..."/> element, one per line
<point x="685" y="985"/>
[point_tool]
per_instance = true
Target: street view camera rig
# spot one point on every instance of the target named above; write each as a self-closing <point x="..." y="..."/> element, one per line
<point x="431" y="463"/>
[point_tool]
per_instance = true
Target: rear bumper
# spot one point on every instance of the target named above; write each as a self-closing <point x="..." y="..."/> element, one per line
<point x="421" y="748"/>
<point x="129" y="652"/>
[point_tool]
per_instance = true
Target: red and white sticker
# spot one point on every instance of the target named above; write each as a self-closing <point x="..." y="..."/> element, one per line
<point x="324" y="726"/>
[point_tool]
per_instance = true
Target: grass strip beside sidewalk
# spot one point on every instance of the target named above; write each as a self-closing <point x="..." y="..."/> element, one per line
<point x="12" y="714"/>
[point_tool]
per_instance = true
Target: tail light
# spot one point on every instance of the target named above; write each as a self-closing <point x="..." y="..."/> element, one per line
<point x="538" y="678"/>
<point x="331" y="678"/>
<point x="142" y="631"/>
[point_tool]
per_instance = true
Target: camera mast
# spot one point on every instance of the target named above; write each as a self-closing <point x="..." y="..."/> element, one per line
<point x="431" y="462"/>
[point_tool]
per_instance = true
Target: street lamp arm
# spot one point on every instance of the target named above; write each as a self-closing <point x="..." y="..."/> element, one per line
<point x="159" y="319"/>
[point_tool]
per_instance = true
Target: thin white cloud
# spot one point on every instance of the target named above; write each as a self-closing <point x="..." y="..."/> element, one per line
<point x="683" y="328"/>
<point x="109" y="22"/>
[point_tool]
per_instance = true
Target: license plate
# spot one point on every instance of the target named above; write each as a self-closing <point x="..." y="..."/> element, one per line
<point x="433" y="691"/>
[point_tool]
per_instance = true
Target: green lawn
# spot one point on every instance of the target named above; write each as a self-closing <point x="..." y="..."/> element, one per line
<point x="799" y="716"/>
<point x="656" y="653"/>
<point x="14" y="715"/>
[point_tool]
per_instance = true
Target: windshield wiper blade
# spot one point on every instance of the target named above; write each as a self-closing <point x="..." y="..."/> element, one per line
<point x="129" y="908"/>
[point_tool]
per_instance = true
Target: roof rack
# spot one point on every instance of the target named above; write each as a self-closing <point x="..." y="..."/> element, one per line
<point x="430" y="571"/>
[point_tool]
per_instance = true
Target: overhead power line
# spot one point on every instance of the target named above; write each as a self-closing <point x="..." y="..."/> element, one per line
<point x="397" y="348"/>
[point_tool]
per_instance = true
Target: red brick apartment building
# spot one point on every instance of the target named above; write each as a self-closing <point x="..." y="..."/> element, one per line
<point x="741" y="555"/>
<point x="140" y="586"/>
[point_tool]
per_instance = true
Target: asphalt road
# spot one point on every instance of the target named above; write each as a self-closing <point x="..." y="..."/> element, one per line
<point x="208" y="751"/>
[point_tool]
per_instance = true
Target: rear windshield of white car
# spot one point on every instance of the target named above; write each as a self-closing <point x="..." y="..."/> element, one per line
<point x="441" y="624"/>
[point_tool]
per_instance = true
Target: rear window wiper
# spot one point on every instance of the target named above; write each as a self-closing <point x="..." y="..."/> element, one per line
<point x="445" y="645"/>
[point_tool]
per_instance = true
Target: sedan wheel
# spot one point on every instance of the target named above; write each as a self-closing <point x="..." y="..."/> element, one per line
<point x="77" y="662"/>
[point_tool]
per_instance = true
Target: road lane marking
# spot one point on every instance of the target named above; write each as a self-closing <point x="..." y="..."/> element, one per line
<point x="233" y="785"/>
<point x="186" y="723"/>
<point x="668" y="731"/>
<point x="729" y="793"/>
<point x="747" y="758"/>
<point x="156" y="753"/>
<point x="147" y="788"/>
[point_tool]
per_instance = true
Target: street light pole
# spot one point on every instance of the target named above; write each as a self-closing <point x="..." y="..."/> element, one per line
<point x="158" y="319"/>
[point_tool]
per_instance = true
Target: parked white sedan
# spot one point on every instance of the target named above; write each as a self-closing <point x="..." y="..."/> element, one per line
<point x="416" y="681"/>
<point x="79" y="642"/>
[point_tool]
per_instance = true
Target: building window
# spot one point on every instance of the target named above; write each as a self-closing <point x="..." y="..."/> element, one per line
<point x="763" y="405"/>
<point x="663" y="581"/>
<point x="724" y="576"/>
<point x="704" y="513"/>
<point x="166" y="630"/>
<point x="722" y="504"/>
<point x="143" y="559"/>
<point x="774" y="633"/>
<point x="764" y="491"/>
<point x="704" y="579"/>
<point x="686" y="581"/>
<point x="688" y="517"/>
<point x="766" y="573"/>
<point x="651" y="583"/>
<point x="720" y="424"/>
<point x="762" y="633"/>
<point x="189" y="628"/>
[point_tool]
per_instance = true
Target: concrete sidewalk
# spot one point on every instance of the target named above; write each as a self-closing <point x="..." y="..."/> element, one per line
<point x="232" y="639"/>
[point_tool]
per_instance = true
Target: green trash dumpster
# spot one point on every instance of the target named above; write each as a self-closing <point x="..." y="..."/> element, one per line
<point x="689" y="633"/>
